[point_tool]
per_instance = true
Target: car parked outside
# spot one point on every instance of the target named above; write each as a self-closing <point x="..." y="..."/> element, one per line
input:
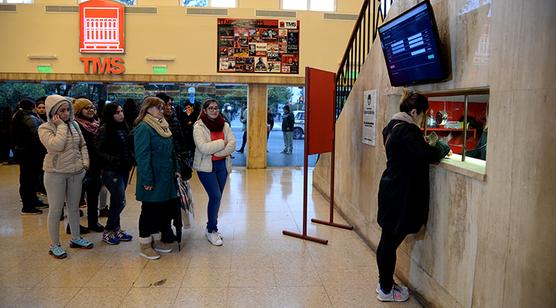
<point x="299" y="124"/>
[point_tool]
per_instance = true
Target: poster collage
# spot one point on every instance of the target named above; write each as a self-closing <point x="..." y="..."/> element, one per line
<point x="258" y="46"/>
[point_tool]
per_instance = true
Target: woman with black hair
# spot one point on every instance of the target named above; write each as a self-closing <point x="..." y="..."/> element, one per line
<point x="215" y="143"/>
<point x="115" y="151"/>
<point x="403" y="197"/>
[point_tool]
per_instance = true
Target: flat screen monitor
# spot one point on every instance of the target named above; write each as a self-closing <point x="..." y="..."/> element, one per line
<point x="411" y="47"/>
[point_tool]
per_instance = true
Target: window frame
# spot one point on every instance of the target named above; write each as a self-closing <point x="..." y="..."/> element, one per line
<point x="20" y="2"/>
<point x="308" y="6"/>
<point x="209" y="5"/>
<point x="134" y="2"/>
<point x="460" y="163"/>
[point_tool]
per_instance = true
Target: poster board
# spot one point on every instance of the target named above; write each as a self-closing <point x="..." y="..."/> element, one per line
<point x="258" y="46"/>
<point x="320" y="110"/>
<point x="368" y="134"/>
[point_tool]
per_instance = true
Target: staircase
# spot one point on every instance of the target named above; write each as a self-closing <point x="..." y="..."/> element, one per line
<point x="372" y="15"/>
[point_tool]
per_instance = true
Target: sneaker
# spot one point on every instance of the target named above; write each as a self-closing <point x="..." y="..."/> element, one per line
<point x="147" y="251"/>
<point x="214" y="238"/>
<point x="57" y="252"/>
<point x="81" y="243"/>
<point x="123" y="236"/>
<point x="219" y="235"/>
<point x="82" y="229"/>
<point x="110" y="238"/>
<point x="162" y="247"/>
<point x="395" y="295"/>
<point x="31" y="211"/>
<point x="403" y="289"/>
<point x="103" y="212"/>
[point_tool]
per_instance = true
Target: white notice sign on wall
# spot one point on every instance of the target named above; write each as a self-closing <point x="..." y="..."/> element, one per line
<point x="369" y="117"/>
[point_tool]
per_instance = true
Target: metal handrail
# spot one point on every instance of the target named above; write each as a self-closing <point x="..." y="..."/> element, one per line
<point x="358" y="47"/>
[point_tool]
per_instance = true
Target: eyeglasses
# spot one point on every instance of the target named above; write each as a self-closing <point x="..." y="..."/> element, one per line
<point x="213" y="108"/>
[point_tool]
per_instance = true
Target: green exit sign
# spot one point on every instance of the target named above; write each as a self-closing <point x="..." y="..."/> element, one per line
<point x="162" y="69"/>
<point x="44" y="69"/>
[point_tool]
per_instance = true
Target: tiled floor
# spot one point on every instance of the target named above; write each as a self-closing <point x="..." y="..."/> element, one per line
<point x="256" y="267"/>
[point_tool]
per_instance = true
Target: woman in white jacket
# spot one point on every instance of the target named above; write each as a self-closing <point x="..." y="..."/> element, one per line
<point x="64" y="167"/>
<point x="214" y="143"/>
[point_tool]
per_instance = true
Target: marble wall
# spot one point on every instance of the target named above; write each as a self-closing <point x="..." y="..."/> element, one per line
<point x="488" y="243"/>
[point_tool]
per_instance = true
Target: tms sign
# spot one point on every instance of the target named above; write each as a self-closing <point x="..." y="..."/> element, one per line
<point x="101" y="30"/>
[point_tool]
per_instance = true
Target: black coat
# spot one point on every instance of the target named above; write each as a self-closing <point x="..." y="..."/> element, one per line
<point x="288" y="122"/>
<point x="114" y="148"/>
<point x="25" y="136"/>
<point x="403" y="197"/>
<point x="187" y="122"/>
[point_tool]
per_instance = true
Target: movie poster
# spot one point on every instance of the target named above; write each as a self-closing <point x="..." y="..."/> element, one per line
<point x="258" y="46"/>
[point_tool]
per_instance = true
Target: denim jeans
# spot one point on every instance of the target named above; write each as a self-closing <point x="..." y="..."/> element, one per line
<point x="288" y="142"/>
<point x="116" y="183"/>
<point x="214" y="183"/>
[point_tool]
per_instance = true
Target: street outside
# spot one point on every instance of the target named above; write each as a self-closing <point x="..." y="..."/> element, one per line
<point x="274" y="146"/>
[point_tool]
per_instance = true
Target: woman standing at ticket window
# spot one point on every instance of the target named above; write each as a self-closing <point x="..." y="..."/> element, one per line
<point x="403" y="197"/>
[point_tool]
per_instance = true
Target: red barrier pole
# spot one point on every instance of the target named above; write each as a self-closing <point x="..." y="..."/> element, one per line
<point x="332" y="165"/>
<point x="304" y="235"/>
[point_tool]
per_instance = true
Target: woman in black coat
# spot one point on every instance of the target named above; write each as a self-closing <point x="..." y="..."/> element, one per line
<point x="115" y="152"/>
<point x="403" y="197"/>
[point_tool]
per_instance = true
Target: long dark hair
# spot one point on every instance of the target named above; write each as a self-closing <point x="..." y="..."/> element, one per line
<point x="108" y="117"/>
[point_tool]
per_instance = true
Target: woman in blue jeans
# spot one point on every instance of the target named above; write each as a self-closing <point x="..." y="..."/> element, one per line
<point x="214" y="143"/>
<point x="115" y="150"/>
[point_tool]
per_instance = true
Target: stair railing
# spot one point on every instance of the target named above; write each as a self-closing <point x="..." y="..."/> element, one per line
<point x="372" y="15"/>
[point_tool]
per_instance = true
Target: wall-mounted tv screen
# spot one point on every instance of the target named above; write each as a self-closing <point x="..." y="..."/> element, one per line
<point x="411" y="47"/>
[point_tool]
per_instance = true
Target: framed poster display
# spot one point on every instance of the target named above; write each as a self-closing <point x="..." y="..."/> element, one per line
<point x="258" y="46"/>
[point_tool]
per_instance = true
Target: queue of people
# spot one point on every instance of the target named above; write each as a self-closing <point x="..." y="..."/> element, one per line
<point x="82" y="153"/>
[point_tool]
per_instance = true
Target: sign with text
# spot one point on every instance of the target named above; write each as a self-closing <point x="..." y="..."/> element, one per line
<point x="101" y="27"/>
<point x="94" y="65"/>
<point x="258" y="46"/>
<point x="369" y="117"/>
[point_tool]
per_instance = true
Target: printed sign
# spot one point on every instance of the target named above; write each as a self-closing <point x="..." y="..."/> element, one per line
<point x="258" y="46"/>
<point x="369" y="117"/>
<point x="101" y="27"/>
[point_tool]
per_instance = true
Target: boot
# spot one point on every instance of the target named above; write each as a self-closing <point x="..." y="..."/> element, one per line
<point x="147" y="250"/>
<point x="160" y="246"/>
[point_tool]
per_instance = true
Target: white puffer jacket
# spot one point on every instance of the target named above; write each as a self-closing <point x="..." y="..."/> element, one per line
<point x="65" y="145"/>
<point x="205" y="147"/>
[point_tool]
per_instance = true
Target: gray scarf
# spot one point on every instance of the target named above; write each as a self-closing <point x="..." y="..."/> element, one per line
<point x="402" y="116"/>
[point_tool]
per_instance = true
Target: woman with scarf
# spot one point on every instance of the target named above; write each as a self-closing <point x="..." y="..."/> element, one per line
<point x="64" y="167"/>
<point x="403" y="196"/>
<point x="214" y="143"/>
<point x="115" y="151"/>
<point x="85" y="116"/>
<point x="157" y="169"/>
